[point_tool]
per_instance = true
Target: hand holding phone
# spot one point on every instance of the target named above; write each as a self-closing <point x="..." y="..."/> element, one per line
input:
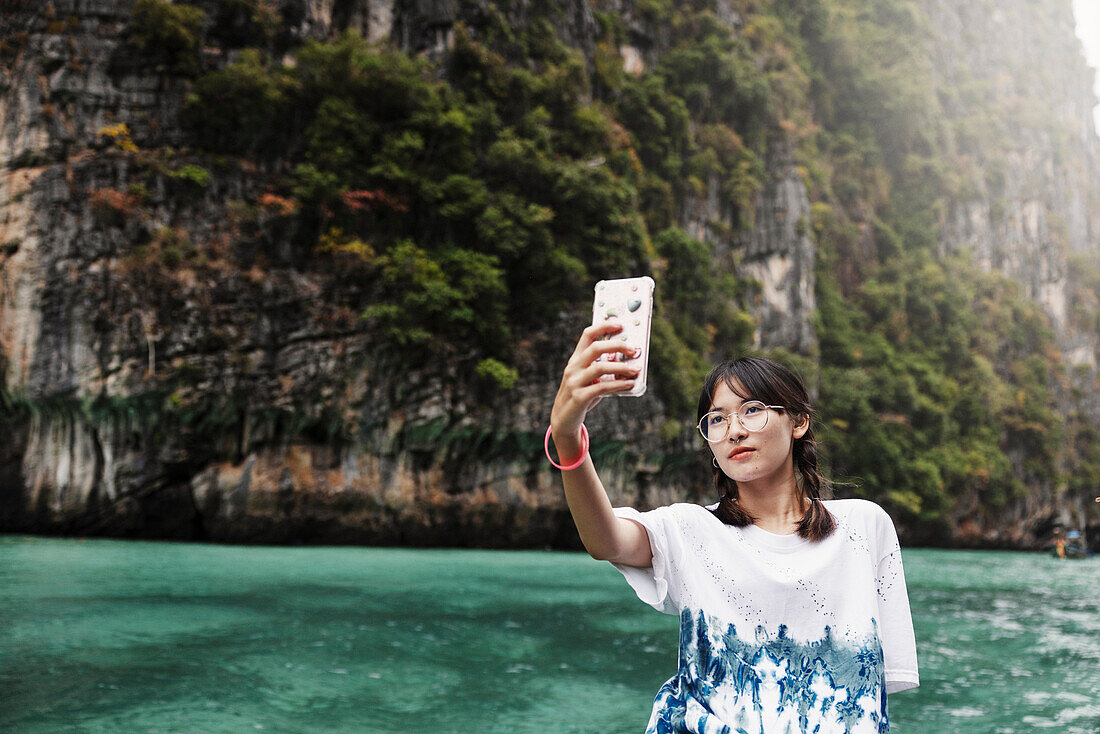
<point x="628" y="301"/>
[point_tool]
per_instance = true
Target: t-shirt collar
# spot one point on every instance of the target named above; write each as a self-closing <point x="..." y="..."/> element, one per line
<point x="760" y="536"/>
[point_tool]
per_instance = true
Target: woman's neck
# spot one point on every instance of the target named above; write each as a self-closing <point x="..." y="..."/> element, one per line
<point x="777" y="506"/>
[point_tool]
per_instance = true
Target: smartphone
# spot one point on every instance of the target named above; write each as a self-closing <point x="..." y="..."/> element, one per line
<point x="628" y="301"/>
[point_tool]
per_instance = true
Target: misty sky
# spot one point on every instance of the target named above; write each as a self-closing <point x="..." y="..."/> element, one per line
<point x="1087" y="13"/>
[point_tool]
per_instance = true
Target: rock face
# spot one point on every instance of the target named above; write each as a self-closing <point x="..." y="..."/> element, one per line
<point x="779" y="255"/>
<point x="92" y="325"/>
<point x="1034" y="214"/>
<point x="1033" y="210"/>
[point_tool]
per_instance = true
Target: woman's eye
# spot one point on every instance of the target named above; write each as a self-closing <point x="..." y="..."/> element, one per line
<point x="717" y="420"/>
<point x="752" y="409"/>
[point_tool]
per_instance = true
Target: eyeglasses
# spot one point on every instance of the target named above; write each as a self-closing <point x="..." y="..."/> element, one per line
<point x="753" y="415"/>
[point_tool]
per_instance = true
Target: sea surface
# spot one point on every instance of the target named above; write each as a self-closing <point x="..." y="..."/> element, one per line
<point x="119" y="636"/>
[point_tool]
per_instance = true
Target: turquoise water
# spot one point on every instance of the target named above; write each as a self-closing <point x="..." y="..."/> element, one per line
<point x="113" y="636"/>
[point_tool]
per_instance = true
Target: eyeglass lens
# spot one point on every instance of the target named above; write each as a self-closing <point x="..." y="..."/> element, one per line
<point x="715" y="425"/>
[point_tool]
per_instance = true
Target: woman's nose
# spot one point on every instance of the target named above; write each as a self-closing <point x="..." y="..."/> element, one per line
<point x="737" y="431"/>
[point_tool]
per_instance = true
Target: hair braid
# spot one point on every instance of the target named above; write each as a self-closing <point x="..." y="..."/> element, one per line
<point x="729" y="510"/>
<point x="817" y="522"/>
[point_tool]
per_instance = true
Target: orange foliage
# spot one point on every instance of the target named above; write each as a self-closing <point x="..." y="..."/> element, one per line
<point x="277" y="204"/>
<point x="361" y="200"/>
<point x="113" y="203"/>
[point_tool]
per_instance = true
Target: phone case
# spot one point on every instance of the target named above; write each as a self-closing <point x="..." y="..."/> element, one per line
<point x="630" y="302"/>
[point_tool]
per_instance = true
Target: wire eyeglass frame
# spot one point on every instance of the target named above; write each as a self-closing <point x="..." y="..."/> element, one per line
<point x="741" y="417"/>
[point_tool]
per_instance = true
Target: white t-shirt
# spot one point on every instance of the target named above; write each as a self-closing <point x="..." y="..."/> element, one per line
<point x="778" y="634"/>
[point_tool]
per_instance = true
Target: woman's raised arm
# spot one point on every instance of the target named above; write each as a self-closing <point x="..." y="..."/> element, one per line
<point x="605" y="536"/>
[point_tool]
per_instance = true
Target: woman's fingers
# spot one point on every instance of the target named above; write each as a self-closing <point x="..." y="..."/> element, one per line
<point x="601" y="350"/>
<point x="593" y="334"/>
<point x="614" y="351"/>
<point x="595" y="374"/>
<point x="591" y="394"/>
<point x="596" y="370"/>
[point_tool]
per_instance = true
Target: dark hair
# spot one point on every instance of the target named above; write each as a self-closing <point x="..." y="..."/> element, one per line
<point x="757" y="378"/>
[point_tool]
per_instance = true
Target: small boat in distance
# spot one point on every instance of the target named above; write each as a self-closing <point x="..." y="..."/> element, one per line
<point x="1070" y="546"/>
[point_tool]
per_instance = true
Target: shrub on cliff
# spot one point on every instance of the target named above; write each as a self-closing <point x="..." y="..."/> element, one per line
<point x="167" y="35"/>
<point x="242" y="23"/>
<point x="243" y="108"/>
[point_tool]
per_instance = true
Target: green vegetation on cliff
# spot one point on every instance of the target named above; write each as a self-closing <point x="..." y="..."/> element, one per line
<point x="484" y="195"/>
<point x="475" y="195"/>
<point x="936" y="376"/>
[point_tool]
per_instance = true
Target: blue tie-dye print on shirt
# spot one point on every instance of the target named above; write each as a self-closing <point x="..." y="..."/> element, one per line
<point x="770" y="684"/>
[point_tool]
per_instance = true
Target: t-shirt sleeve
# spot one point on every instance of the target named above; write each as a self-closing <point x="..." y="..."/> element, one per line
<point x="899" y="646"/>
<point x="654" y="585"/>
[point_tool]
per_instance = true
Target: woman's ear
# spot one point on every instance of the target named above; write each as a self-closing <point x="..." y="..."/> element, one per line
<point x="801" y="426"/>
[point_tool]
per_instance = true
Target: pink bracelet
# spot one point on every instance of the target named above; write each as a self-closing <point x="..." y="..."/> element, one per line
<point x="584" y="451"/>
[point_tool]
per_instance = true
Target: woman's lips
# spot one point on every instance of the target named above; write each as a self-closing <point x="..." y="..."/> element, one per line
<point x="741" y="454"/>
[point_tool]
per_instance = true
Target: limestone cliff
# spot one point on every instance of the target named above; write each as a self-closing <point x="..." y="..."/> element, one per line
<point x="286" y="421"/>
<point x="95" y="330"/>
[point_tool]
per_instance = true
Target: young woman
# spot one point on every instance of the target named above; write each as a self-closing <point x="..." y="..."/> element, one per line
<point x="794" y="616"/>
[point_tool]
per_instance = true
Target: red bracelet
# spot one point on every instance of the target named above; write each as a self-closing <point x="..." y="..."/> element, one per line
<point x="584" y="450"/>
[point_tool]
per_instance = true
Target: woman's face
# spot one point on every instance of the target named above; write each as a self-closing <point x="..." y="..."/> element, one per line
<point x="750" y="456"/>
